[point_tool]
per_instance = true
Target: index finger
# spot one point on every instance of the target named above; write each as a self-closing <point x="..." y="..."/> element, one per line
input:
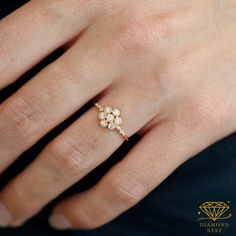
<point x="34" y="31"/>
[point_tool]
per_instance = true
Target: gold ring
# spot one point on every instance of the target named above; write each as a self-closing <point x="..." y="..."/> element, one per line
<point x="111" y="118"/>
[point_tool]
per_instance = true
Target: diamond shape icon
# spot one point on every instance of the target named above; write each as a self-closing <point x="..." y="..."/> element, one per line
<point x="214" y="210"/>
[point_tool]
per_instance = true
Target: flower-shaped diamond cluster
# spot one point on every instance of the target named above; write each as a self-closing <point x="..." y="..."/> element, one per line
<point x="110" y="118"/>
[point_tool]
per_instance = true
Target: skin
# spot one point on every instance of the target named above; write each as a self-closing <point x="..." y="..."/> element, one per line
<point x="169" y="65"/>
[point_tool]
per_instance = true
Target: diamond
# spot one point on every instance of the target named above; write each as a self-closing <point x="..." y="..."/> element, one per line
<point x="103" y="123"/>
<point x="214" y="210"/>
<point x="116" y="112"/>
<point x="118" y="120"/>
<point x="112" y="126"/>
<point x="110" y="117"/>
<point x="102" y="115"/>
<point x="107" y="109"/>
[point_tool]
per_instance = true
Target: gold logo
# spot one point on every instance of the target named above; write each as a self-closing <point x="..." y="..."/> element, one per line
<point x="214" y="211"/>
<point x="213" y="216"/>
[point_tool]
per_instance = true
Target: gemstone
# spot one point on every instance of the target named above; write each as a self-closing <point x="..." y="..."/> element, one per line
<point x="112" y="126"/>
<point x="108" y="109"/>
<point x="102" y="115"/>
<point x="110" y="117"/>
<point x="116" y="112"/>
<point x="103" y="123"/>
<point x="118" y="120"/>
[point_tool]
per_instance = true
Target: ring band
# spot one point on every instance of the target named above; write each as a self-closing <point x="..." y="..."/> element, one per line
<point x="110" y="118"/>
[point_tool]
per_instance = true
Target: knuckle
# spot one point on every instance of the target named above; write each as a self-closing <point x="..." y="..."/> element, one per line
<point x="71" y="155"/>
<point x="204" y="113"/>
<point x="213" y="114"/>
<point x="138" y="36"/>
<point x="132" y="38"/>
<point x="126" y="190"/>
<point x="22" y="116"/>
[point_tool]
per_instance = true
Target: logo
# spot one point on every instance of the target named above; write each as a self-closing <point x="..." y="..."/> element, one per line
<point x="213" y="216"/>
<point x="214" y="211"/>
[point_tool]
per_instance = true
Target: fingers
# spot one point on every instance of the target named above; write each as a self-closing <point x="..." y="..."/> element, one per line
<point x="157" y="155"/>
<point x="78" y="150"/>
<point x="52" y="96"/>
<point x="34" y="31"/>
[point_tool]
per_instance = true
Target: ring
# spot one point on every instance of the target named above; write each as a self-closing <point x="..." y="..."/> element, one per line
<point x="110" y="118"/>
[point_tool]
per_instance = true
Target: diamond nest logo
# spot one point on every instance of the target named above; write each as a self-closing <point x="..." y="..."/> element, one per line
<point x="213" y="216"/>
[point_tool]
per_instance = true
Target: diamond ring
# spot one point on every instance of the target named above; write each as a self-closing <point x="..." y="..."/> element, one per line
<point x="110" y="118"/>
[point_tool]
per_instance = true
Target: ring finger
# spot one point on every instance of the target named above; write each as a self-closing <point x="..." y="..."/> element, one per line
<point x="73" y="154"/>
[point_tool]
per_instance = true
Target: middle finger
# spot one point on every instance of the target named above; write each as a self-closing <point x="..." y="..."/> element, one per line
<point x="52" y="96"/>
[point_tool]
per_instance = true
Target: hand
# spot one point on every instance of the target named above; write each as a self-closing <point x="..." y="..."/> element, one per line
<point x="168" y="65"/>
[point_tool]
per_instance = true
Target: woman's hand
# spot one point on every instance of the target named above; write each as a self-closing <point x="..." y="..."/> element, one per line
<point x="169" y="65"/>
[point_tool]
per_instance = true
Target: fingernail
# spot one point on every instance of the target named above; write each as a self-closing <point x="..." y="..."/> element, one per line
<point x="58" y="221"/>
<point x="5" y="216"/>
